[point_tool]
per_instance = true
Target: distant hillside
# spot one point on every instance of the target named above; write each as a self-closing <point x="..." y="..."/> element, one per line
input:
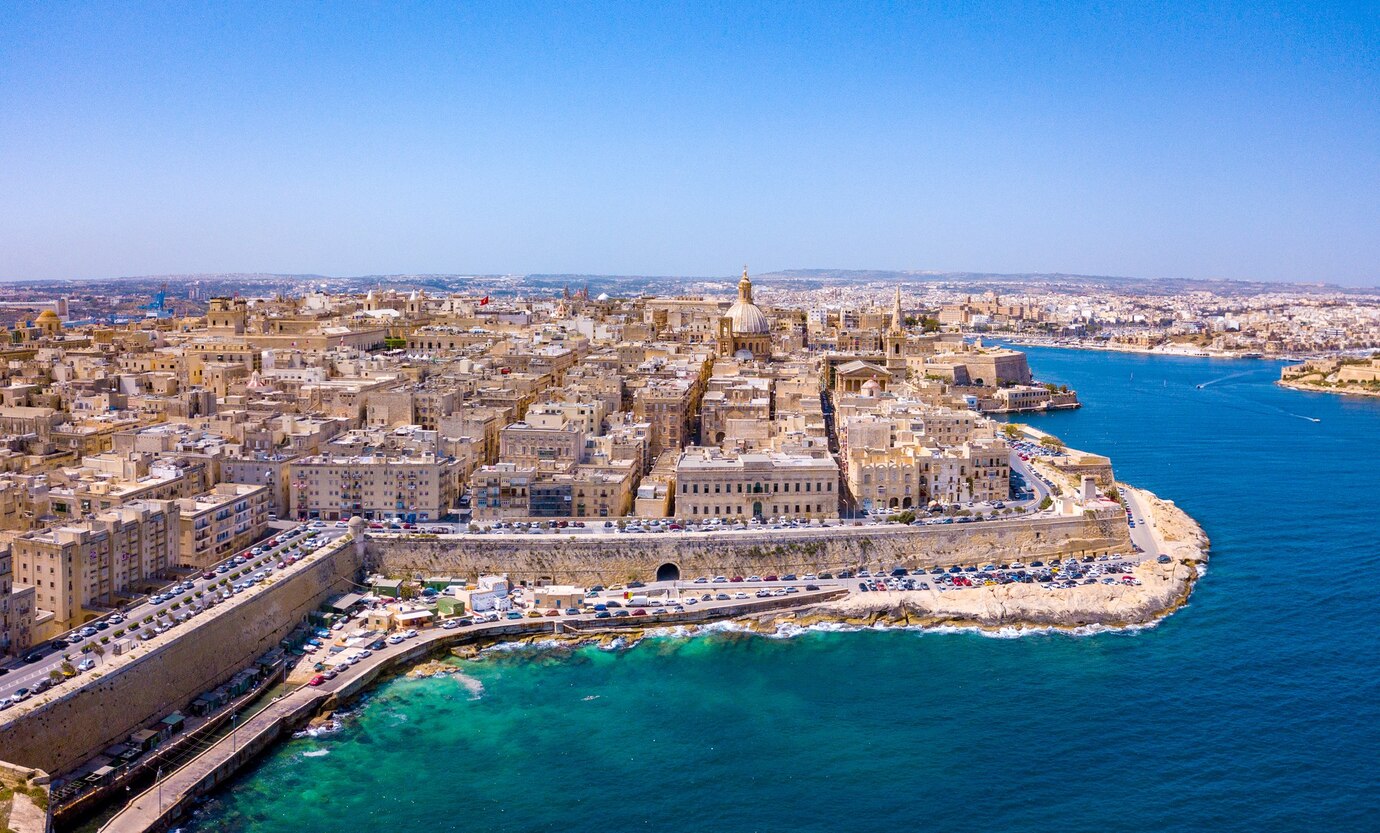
<point x="210" y="284"/>
<point x="1049" y="280"/>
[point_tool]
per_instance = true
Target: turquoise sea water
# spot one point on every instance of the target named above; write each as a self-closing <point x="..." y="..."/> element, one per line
<point x="1256" y="708"/>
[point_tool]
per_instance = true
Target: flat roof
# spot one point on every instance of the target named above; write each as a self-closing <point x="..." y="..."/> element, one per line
<point x="346" y="601"/>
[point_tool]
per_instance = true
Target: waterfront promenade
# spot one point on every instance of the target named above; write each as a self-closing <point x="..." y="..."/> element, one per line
<point x="171" y="797"/>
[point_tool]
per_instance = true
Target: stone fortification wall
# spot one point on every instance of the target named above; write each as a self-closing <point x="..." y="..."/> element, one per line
<point x="166" y="673"/>
<point x="607" y="558"/>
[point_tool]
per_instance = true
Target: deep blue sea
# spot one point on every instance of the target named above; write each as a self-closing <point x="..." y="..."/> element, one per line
<point x="1256" y="708"/>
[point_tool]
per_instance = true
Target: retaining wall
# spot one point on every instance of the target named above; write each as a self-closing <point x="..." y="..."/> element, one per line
<point x="168" y="672"/>
<point x="586" y="559"/>
<point x="218" y="764"/>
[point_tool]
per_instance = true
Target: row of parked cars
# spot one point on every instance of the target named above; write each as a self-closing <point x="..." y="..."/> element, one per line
<point x="1070" y="572"/>
<point x="1027" y="449"/>
<point x="86" y="637"/>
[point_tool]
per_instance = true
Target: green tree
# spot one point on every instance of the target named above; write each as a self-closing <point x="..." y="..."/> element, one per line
<point x="1011" y="430"/>
<point x="1050" y="441"/>
<point x="1047" y="502"/>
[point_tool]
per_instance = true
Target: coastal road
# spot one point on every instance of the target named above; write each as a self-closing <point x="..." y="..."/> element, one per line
<point x="146" y="809"/>
<point x="18" y="674"/>
<point x="1036" y="483"/>
<point x="1142" y="534"/>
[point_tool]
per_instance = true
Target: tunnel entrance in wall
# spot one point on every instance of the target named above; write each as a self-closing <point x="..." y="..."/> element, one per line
<point x="668" y="572"/>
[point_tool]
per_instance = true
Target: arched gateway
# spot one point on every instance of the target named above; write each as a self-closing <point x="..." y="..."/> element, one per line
<point x="668" y="572"/>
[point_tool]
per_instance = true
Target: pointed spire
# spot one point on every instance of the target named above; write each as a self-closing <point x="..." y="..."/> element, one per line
<point x="897" y="319"/>
<point x="745" y="287"/>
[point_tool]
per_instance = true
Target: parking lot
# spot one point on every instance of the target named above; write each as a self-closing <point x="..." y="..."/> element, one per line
<point x="85" y="649"/>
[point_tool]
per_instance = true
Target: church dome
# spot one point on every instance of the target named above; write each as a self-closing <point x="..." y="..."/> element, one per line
<point x="748" y="320"/>
<point x="48" y="317"/>
<point x="746" y="317"/>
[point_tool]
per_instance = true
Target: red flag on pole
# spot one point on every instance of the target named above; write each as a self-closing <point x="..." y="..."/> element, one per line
<point x="484" y="300"/>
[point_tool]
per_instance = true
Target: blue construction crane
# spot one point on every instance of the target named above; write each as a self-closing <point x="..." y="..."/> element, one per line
<point x="159" y="303"/>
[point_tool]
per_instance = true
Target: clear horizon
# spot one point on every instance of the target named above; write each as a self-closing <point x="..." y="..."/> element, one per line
<point x="1138" y="140"/>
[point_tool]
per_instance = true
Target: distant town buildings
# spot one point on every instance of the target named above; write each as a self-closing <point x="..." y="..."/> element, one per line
<point x="148" y="433"/>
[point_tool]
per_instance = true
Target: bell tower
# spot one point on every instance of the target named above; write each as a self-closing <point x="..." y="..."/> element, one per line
<point x="894" y="341"/>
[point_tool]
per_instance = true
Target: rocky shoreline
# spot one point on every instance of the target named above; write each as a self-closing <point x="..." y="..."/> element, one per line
<point x="1164" y="589"/>
<point x="1010" y="608"/>
<point x="1185" y="352"/>
<point x="1304" y="386"/>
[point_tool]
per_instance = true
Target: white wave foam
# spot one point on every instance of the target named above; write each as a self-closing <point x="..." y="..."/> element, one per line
<point x="791" y="630"/>
<point x="470" y="684"/>
<point x="510" y="647"/>
<point x="329" y="727"/>
<point x="316" y="753"/>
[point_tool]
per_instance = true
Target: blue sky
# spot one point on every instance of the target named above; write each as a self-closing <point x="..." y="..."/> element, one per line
<point x="1236" y="140"/>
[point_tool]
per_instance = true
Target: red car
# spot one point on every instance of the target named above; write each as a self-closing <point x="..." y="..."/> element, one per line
<point x="640" y="612"/>
<point x="208" y="574"/>
<point x="317" y="680"/>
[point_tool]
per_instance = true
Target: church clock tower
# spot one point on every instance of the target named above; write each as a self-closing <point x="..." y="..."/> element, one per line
<point x="895" y="341"/>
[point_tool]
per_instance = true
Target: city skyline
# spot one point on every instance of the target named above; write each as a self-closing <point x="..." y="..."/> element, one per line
<point x="1147" y="142"/>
